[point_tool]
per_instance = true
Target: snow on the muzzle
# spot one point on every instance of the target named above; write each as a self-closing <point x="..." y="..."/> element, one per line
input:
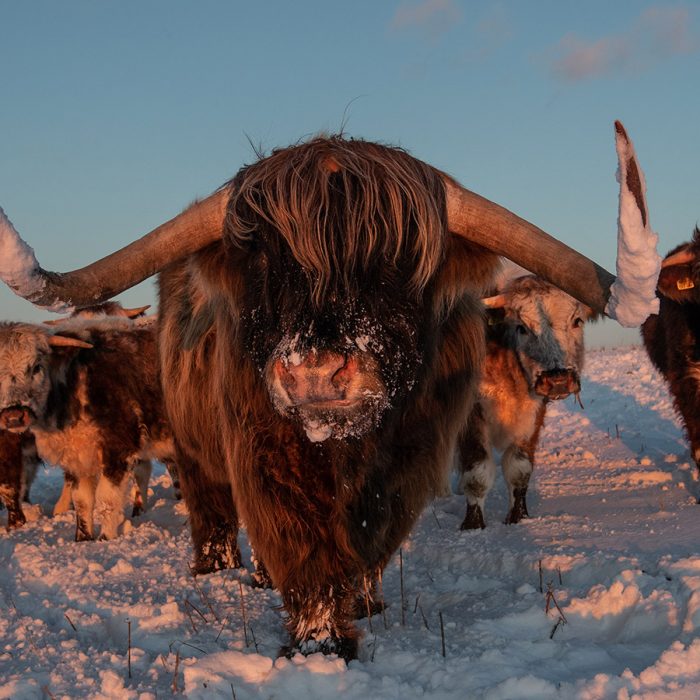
<point x="633" y="294"/>
<point x="19" y="267"/>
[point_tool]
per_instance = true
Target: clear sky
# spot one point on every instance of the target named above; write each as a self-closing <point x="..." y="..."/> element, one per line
<point x="115" y="115"/>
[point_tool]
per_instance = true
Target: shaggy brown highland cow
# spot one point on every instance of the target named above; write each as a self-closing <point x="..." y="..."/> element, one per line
<point x="320" y="339"/>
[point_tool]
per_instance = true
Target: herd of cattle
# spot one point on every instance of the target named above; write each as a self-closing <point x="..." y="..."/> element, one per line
<point x="329" y="343"/>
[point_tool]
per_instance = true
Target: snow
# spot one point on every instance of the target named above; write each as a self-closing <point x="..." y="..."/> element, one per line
<point x="614" y="526"/>
<point x="633" y="294"/>
<point x="19" y="268"/>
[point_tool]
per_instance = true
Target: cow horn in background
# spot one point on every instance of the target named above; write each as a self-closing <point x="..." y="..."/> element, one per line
<point x="495" y="302"/>
<point x="63" y="341"/>
<point x="137" y="311"/>
<point x="193" y="229"/>
<point x="682" y="257"/>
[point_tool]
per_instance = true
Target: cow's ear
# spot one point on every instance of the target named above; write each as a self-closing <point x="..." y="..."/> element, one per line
<point x="677" y="283"/>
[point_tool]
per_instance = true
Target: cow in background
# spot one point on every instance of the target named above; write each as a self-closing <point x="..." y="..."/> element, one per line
<point x="143" y="468"/>
<point x="89" y="391"/>
<point x="534" y="355"/>
<point x="672" y="337"/>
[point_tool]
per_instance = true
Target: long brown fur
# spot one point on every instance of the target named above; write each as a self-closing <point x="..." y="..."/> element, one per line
<point x="322" y="516"/>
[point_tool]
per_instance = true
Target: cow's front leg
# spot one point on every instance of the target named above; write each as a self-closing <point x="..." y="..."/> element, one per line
<point x="10" y="496"/>
<point x="142" y="475"/>
<point x="64" y="501"/>
<point x="112" y="490"/>
<point x="477" y="467"/>
<point x="517" y="468"/>
<point x="83" y="493"/>
<point x="320" y="620"/>
<point x="213" y="518"/>
<point x="687" y="400"/>
<point x="518" y="462"/>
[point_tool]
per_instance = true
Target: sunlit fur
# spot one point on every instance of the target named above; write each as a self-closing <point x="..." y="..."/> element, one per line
<point x="107" y="311"/>
<point x="95" y="411"/>
<point x="672" y="338"/>
<point x="328" y="235"/>
<point x="538" y="329"/>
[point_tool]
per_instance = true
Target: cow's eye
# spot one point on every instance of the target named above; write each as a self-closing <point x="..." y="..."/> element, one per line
<point x="37" y="369"/>
<point x="578" y="322"/>
<point x="521" y="329"/>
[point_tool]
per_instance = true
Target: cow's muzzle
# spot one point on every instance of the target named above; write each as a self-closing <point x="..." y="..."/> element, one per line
<point x="16" y="419"/>
<point x="557" y="384"/>
<point x="319" y="380"/>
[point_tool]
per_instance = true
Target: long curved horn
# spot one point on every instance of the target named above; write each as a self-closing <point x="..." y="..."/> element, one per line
<point x="193" y="229"/>
<point x="494" y="227"/>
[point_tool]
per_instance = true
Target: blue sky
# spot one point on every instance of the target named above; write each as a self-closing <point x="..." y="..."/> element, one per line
<point x="116" y="115"/>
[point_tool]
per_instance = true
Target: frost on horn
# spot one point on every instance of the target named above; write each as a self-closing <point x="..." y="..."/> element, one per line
<point x="633" y="294"/>
<point x="19" y="267"/>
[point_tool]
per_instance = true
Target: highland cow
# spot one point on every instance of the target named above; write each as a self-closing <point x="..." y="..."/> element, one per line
<point x="321" y="335"/>
<point x="672" y="337"/>
<point x="143" y="468"/>
<point x="534" y="354"/>
<point x="89" y="393"/>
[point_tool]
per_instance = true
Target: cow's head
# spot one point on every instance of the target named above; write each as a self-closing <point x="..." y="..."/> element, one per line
<point x="31" y="360"/>
<point x="339" y="245"/>
<point x="680" y="272"/>
<point x="544" y="327"/>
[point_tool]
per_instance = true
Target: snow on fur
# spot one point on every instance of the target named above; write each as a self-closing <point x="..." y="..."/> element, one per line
<point x="19" y="266"/>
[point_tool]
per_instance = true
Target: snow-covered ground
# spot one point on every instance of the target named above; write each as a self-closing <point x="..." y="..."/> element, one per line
<point x="614" y="529"/>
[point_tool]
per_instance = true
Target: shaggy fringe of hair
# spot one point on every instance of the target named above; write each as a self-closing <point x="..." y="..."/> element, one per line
<point x="392" y="205"/>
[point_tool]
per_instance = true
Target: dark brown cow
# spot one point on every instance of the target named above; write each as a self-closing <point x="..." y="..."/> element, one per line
<point x="672" y="337"/>
<point x="18" y="465"/>
<point x="90" y="395"/>
<point x="320" y="338"/>
<point x="142" y="469"/>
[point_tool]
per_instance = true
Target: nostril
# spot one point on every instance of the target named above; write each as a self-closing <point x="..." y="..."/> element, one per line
<point x="285" y="376"/>
<point x="344" y="374"/>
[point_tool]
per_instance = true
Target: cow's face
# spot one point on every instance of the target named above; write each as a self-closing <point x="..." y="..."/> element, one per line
<point x="545" y="328"/>
<point x="31" y="358"/>
<point x="679" y="279"/>
<point x="338" y="365"/>
<point x="336" y="259"/>
<point x="24" y="376"/>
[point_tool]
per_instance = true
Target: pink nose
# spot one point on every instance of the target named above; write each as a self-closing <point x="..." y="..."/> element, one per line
<point x="316" y="377"/>
<point x="16" y="419"/>
<point x="557" y="384"/>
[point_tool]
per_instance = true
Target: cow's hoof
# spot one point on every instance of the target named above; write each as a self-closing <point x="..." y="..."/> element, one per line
<point x="136" y="511"/>
<point x="216" y="558"/>
<point x="260" y="577"/>
<point x="376" y="607"/>
<point x="474" y="519"/>
<point x="518" y="511"/>
<point x="344" y="647"/>
<point x="83" y="537"/>
<point x="15" y="520"/>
